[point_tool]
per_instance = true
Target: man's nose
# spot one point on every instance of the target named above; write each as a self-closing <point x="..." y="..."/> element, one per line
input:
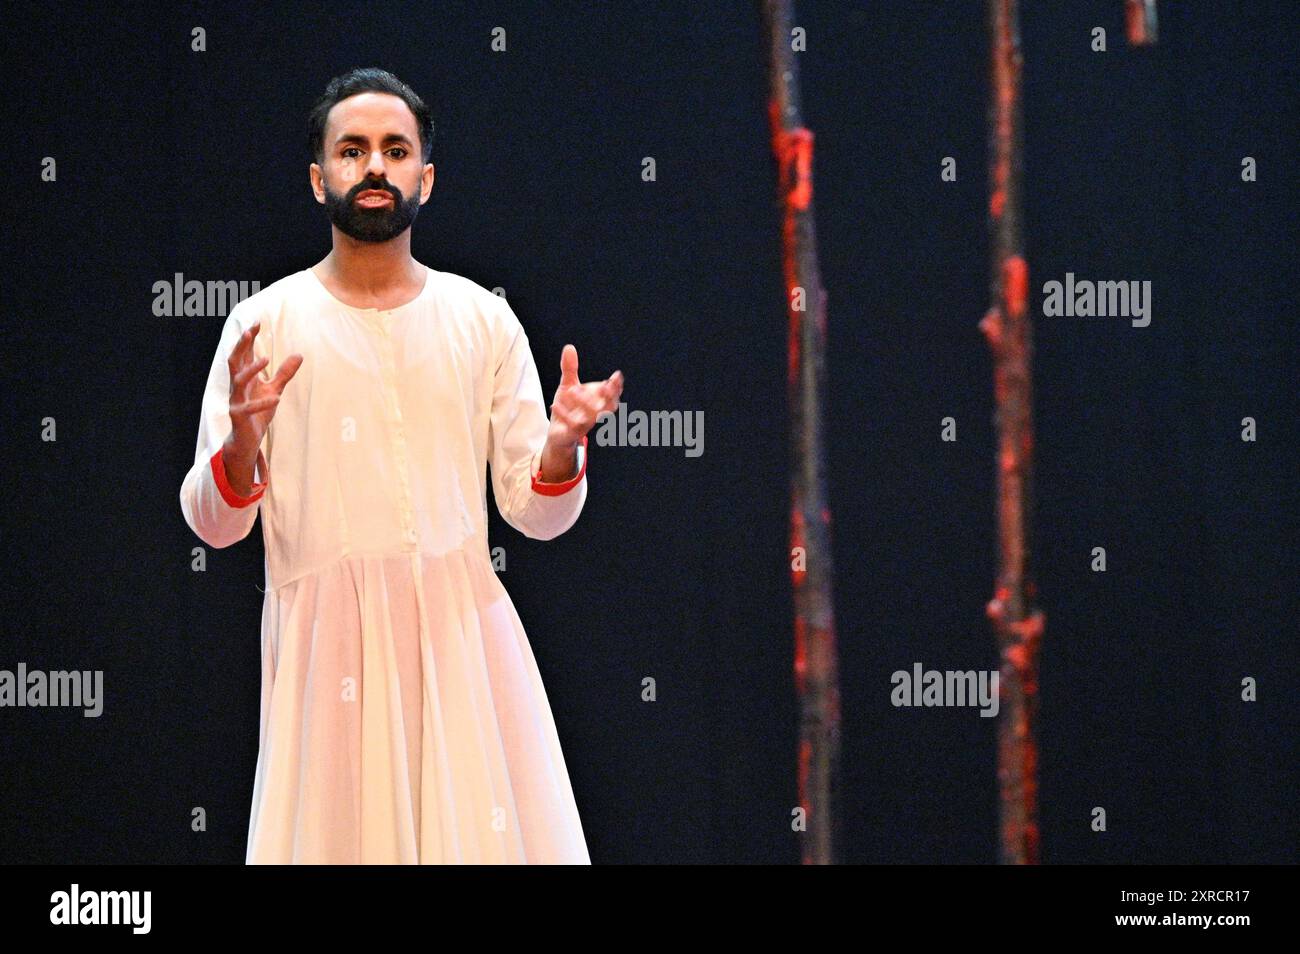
<point x="375" y="168"/>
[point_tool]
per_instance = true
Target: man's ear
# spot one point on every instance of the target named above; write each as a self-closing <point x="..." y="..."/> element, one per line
<point x="317" y="177"/>
<point x="426" y="182"/>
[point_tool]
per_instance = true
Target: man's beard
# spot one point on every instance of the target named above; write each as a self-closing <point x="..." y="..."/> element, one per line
<point x="371" y="225"/>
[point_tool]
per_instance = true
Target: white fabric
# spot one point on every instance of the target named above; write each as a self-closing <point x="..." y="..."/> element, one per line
<point x="403" y="719"/>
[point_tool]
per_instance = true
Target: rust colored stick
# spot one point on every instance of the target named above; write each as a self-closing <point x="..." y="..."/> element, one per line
<point x="816" y="669"/>
<point x="1140" y="22"/>
<point x="1017" y="624"/>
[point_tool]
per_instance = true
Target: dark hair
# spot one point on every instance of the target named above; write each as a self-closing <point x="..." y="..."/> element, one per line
<point x="367" y="80"/>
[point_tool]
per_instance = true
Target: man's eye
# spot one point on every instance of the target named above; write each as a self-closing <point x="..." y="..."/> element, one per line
<point x="352" y="149"/>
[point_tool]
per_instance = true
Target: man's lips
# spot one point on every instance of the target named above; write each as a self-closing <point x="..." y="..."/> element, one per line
<point x="374" y="198"/>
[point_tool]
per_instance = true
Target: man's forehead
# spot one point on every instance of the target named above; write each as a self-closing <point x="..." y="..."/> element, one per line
<point x="360" y="115"/>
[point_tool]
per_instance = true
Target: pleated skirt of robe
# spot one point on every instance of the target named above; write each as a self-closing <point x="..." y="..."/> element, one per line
<point x="404" y="721"/>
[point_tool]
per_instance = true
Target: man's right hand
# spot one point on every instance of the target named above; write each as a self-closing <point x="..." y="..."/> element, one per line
<point x="253" y="400"/>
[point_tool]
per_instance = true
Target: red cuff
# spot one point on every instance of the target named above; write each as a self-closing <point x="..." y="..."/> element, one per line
<point x="555" y="490"/>
<point x="227" y="492"/>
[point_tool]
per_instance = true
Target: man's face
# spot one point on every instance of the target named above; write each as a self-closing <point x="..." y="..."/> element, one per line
<point x="372" y="145"/>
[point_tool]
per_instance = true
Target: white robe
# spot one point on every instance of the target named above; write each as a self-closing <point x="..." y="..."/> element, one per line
<point x="403" y="719"/>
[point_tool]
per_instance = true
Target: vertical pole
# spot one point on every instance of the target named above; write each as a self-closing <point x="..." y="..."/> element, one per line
<point x="816" y="668"/>
<point x="1140" y="22"/>
<point x="1016" y="623"/>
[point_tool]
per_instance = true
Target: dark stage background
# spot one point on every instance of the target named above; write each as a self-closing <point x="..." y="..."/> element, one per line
<point x="171" y="160"/>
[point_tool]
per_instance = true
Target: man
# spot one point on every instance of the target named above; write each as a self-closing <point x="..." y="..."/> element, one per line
<point x="403" y="719"/>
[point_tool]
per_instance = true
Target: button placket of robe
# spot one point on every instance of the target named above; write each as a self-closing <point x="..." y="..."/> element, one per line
<point x="398" y="431"/>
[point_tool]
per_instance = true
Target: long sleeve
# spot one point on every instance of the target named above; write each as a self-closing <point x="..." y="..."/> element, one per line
<point x="517" y="438"/>
<point x="211" y="507"/>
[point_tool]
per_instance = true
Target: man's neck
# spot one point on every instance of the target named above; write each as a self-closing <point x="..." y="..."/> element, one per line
<point x="372" y="268"/>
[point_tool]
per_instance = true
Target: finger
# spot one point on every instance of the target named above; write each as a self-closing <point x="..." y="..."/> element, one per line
<point x="604" y="396"/>
<point x="612" y="386"/>
<point x="242" y="376"/>
<point x="240" y="351"/>
<point x="288" y="368"/>
<point x="594" y="403"/>
<point x="568" y="366"/>
<point x="584" y="402"/>
<point x="255" y="406"/>
<point x="593" y="392"/>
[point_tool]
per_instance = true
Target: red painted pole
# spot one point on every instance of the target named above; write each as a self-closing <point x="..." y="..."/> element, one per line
<point x="1008" y="328"/>
<point x="1140" y="22"/>
<point x="816" y="668"/>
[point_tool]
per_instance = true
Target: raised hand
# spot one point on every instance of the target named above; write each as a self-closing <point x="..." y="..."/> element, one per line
<point x="577" y="405"/>
<point x="253" y="400"/>
<point x="573" y="413"/>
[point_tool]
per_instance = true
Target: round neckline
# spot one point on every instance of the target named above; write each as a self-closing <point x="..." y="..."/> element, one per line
<point x="428" y="283"/>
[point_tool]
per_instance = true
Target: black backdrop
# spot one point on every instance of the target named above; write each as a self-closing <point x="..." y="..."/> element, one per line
<point x="171" y="160"/>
